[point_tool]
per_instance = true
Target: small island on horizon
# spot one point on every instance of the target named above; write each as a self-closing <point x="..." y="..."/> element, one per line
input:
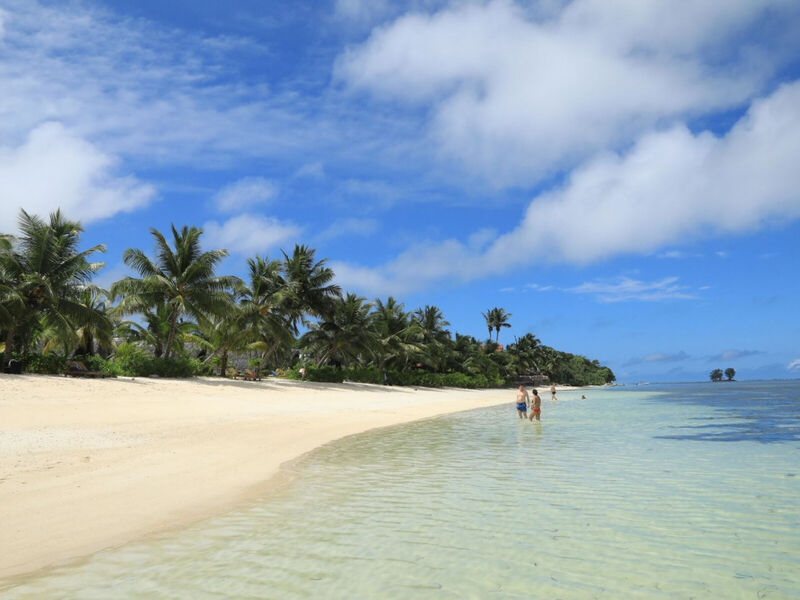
<point x="716" y="374"/>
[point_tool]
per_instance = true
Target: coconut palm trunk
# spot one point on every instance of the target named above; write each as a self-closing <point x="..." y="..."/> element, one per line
<point x="9" y="343"/>
<point x="173" y="324"/>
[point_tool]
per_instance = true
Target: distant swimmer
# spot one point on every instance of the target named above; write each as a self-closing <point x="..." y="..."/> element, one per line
<point x="522" y="402"/>
<point x="536" y="406"/>
<point x="552" y="392"/>
<point x="583" y="397"/>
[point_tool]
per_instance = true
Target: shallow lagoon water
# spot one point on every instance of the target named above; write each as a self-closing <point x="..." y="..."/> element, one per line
<point x="674" y="492"/>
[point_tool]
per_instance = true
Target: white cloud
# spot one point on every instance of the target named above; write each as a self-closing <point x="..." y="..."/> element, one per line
<point x="678" y="254"/>
<point x="670" y="186"/>
<point x="312" y="170"/>
<point x="514" y="96"/>
<point x="361" y="10"/>
<point x="538" y="287"/>
<point x="53" y="168"/>
<point x="794" y="365"/>
<point x="626" y="289"/>
<point x="249" y="233"/>
<point x="368" y="12"/>
<point x="159" y="94"/>
<point x="348" y="227"/>
<point x="244" y="194"/>
<point x="734" y="354"/>
<point x="658" y="357"/>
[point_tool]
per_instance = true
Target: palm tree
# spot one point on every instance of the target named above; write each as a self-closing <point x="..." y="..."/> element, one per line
<point x="496" y="318"/>
<point x="490" y="318"/>
<point x="546" y="361"/>
<point x="43" y="277"/>
<point x="220" y="336"/>
<point x="432" y="322"/>
<point x="346" y="338"/>
<point x="523" y="353"/>
<point x="92" y="338"/>
<point x="435" y="336"/>
<point x="262" y="303"/>
<point x="398" y="336"/>
<point x="154" y="329"/>
<point x="183" y="279"/>
<point x="309" y="290"/>
<point x="11" y="301"/>
<point x="500" y="320"/>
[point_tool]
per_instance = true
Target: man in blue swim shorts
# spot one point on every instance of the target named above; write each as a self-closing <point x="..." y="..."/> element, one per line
<point x="522" y="402"/>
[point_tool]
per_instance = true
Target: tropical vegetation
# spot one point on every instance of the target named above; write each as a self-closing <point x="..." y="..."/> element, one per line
<point x="176" y="316"/>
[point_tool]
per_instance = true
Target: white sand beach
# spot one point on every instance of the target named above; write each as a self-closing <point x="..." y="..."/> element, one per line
<point x="91" y="464"/>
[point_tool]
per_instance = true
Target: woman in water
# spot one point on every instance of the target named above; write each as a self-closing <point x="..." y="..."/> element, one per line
<point x="552" y="392"/>
<point x="522" y="402"/>
<point x="536" y="406"/>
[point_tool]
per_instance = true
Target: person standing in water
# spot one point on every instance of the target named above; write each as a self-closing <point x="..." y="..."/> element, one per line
<point x="536" y="406"/>
<point x="522" y="402"/>
<point x="552" y="392"/>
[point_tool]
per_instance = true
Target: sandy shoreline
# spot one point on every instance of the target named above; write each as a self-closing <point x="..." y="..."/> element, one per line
<point x="86" y="465"/>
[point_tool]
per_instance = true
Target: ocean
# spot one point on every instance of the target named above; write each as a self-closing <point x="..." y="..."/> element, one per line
<point x="663" y="491"/>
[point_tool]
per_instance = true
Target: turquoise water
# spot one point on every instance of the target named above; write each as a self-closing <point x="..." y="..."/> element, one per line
<point x="676" y="492"/>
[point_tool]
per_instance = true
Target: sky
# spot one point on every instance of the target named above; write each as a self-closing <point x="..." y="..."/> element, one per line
<point x="621" y="176"/>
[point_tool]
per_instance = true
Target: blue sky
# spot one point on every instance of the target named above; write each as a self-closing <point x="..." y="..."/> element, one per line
<point x="620" y="176"/>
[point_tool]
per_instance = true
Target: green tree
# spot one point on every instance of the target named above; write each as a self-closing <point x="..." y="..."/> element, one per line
<point x="91" y="337"/>
<point x="11" y="301"/>
<point x="716" y="375"/>
<point x="220" y="336"/>
<point x="435" y="336"/>
<point x="730" y="373"/>
<point x="42" y="278"/>
<point x="496" y="318"/>
<point x="501" y="320"/>
<point x="490" y="318"/>
<point x="523" y="353"/>
<point x="398" y="337"/>
<point x="346" y="338"/>
<point x="308" y="282"/>
<point x="263" y="300"/>
<point x="182" y="278"/>
<point x="154" y="329"/>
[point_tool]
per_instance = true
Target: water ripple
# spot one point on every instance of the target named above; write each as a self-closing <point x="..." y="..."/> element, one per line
<point x="590" y="503"/>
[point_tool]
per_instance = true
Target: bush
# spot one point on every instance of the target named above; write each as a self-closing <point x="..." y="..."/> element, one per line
<point x="364" y="375"/>
<point x="135" y="362"/>
<point x="43" y="364"/>
<point x="95" y="362"/>
<point x="374" y="375"/>
<point x="131" y="360"/>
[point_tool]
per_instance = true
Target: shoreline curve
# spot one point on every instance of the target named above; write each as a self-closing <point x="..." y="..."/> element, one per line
<point x="91" y="465"/>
